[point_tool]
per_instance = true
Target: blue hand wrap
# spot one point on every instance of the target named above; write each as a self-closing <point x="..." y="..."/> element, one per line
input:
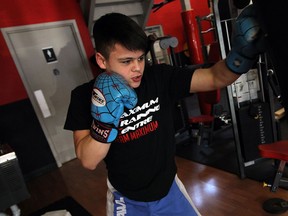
<point x="105" y="133"/>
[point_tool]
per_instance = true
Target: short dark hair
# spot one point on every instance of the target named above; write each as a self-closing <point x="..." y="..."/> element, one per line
<point x="118" y="28"/>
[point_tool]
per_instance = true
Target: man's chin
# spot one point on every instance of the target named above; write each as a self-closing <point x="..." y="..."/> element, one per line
<point x="135" y="84"/>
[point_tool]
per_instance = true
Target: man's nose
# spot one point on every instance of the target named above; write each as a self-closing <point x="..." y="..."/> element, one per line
<point x="136" y="65"/>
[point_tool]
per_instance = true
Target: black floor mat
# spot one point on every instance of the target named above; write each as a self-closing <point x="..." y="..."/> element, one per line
<point x="67" y="203"/>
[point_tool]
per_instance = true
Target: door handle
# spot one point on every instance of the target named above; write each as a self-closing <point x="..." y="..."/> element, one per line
<point x="42" y="103"/>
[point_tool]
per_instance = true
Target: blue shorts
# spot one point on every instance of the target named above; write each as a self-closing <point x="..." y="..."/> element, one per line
<point x="177" y="203"/>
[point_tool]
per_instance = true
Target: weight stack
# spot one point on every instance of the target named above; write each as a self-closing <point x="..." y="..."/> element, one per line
<point x="255" y="128"/>
<point x="12" y="186"/>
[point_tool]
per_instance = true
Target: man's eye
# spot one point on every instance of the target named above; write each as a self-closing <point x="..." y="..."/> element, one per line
<point x="126" y="62"/>
<point x="141" y="58"/>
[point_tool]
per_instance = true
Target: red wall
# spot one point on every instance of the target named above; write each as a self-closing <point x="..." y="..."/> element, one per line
<point x="169" y="16"/>
<point x="16" y="13"/>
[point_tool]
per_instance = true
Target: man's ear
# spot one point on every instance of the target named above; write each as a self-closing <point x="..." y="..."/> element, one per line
<point x="100" y="60"/>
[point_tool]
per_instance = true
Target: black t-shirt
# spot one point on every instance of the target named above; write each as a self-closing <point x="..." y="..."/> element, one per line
<point x="140" y="162"/>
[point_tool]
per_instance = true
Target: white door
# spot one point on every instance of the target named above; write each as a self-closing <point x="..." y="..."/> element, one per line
<point x="51" y="61"/>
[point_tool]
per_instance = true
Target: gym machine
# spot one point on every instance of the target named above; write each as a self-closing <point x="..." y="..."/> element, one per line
<point x="12" y="184"/>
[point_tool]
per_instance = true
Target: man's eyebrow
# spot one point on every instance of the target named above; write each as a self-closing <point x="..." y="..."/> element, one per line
<point x="125" y="58"/>
<point x="131" y="58"/>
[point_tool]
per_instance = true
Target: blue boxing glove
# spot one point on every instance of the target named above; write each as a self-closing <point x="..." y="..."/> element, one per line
<point x="248" y="41"/>
<point x="110" y="94"/>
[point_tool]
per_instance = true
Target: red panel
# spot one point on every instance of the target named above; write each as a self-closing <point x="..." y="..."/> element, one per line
<point x="277" y="150"/>
<point x="169" y="16"/>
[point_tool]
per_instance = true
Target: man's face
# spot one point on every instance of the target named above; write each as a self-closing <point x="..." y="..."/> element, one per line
<point x="129" y="64"/>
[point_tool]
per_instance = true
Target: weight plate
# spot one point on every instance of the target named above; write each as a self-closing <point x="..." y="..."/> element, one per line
<point x="275" y="206"/>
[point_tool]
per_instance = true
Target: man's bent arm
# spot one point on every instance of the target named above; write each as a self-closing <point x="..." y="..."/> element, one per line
<point x="89" y="151"/>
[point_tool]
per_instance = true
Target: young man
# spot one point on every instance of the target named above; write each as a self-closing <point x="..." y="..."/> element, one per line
<point x="129" y="123"/>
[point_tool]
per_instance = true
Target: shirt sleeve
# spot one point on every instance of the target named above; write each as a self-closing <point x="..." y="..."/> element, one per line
<point x="177" y="79"/>
<point x="79" y="115"/>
